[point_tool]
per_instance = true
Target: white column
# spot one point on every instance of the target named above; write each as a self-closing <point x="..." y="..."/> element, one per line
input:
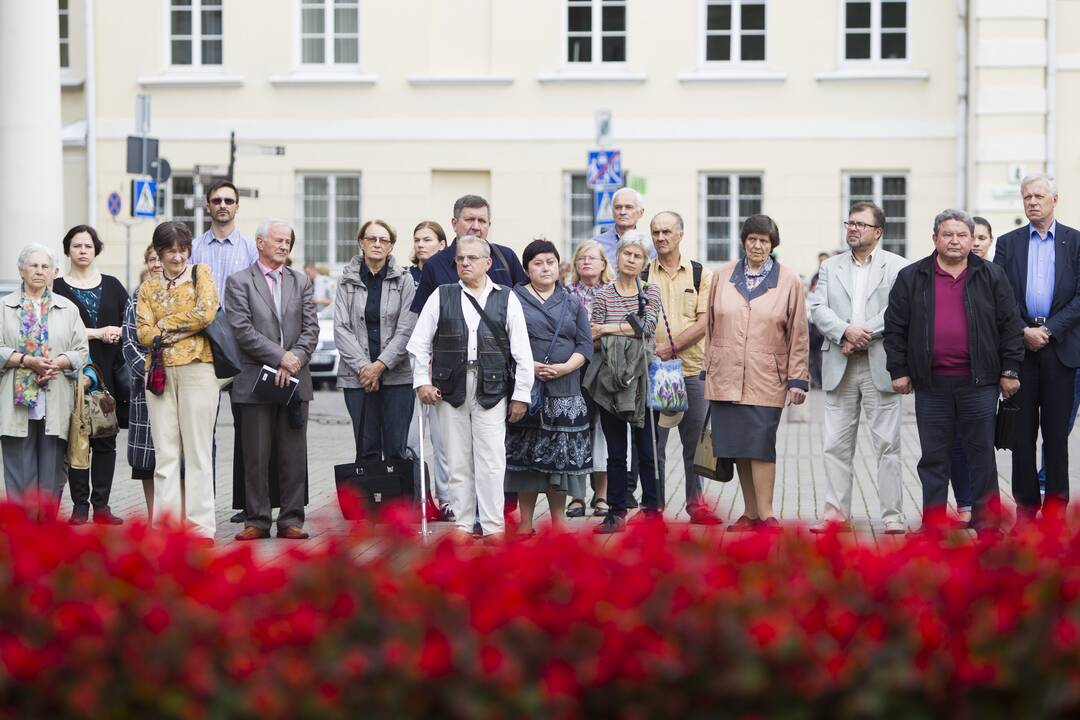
<point x="31" y="151"/>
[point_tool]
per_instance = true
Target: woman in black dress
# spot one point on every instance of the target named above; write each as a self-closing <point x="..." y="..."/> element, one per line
<point x="101" y="300"/>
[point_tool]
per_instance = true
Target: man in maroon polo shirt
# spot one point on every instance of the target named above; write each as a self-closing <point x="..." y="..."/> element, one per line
<point x="953" y="334"/>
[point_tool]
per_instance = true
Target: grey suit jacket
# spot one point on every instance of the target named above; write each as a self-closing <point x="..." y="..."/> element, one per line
<point x="831" y="311"/>
<point x="252" y="318"/>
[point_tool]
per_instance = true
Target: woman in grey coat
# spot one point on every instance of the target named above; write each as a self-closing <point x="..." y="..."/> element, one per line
<point x="550" y="451"/>
<point x="372" y="324"/>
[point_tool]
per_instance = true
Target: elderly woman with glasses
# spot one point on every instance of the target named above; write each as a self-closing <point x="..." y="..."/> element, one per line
<point x="372" y="324"/>
<point x="624" y="316"/>
<point x="756" y="361"/>
<point x="43" y="346"/>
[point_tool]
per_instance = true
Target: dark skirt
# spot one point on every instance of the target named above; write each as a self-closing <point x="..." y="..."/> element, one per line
<point x="744" y="431"/>
<point x="554" y="453"/>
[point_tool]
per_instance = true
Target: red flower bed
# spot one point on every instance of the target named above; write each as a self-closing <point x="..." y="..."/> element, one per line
<point x="104" y="622"/>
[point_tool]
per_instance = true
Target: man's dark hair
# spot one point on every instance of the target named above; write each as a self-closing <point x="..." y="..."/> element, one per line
<point x="472" y="202"/>
<point x="217" y="185"/>
<point x="169" y="234"/>
<point x="878" y="213"/>
<point x="82" y="229"/>
<point x="538" y="247"/>
<point x="760" y="225"/>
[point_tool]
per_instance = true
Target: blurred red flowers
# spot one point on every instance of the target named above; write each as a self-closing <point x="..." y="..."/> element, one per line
<point x="125" y="622"/>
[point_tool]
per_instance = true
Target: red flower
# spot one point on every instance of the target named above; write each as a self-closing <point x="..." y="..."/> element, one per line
<point x="435" y="655"/>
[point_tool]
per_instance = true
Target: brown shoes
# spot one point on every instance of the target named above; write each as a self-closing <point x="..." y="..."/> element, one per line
<point x="253" y="533"/>
<point x="290" y="532"/>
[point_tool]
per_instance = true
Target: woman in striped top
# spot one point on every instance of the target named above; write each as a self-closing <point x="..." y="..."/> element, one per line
<point x="610" y="308"/>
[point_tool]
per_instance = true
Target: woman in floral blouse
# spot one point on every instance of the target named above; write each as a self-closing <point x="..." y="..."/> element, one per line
<point x="173" y="309"/>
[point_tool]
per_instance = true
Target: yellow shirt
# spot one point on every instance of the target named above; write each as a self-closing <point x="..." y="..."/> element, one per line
<point x="683" y="306"/>
<point x="178" y="310"/>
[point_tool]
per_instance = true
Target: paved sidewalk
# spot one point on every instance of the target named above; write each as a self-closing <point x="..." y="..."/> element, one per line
<point x="799" y="478"/>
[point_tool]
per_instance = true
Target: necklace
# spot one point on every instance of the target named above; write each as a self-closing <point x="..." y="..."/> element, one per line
<point x="539" y="294"/>
<point x="172" y="280"/>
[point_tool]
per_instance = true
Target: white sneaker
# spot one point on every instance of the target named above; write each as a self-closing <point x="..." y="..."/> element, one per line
<point x="895" y="527"/>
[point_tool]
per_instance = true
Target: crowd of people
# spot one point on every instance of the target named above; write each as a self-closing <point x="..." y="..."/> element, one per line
<point x="531" y="382"/>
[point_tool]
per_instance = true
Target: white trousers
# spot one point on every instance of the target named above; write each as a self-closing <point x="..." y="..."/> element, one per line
<point x="475" y="442"/>
<point x="182" y="425"/>
<point x="856" y="392"/>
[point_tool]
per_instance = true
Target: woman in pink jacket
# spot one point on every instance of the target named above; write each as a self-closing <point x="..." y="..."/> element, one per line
<point x="757" y="346"/>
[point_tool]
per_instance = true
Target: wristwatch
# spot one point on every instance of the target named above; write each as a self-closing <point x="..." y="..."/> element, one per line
<point x="1047" y="331"/>
<point x="1010" y="374"/>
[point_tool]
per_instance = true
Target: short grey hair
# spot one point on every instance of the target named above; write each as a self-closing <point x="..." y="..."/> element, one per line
<point x="639" y="201"/>
<point x="26" y="252"/>
<point x="634" y="238"/>
<point x="263" y="231"/>
<point x="950" y="214"/>
<point x="1049" y="181"/>
<point x="674" y="216"/>
<point x="484" y="244"/>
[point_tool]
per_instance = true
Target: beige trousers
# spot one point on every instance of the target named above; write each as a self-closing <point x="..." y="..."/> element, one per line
<point x="182" y="425"/>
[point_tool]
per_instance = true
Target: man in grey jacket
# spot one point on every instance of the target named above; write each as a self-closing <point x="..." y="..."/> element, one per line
<point x="848" y="308"/>
<point x="272" y="313"/>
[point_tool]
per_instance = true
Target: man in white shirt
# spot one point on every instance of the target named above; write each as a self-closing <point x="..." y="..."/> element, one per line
<point x="465" y="341"/>
<point x="848" y="307"/>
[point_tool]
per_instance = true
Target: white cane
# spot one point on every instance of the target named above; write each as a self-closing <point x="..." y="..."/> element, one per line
<point x="423" y="476"/>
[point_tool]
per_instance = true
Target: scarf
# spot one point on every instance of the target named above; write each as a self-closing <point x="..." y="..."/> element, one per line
<point x="753" y="279"/>
<point x="33" y="341"/>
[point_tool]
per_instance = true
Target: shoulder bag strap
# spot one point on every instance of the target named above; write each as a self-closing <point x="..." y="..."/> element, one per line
<point x="667" y="326"/>
<point x="499" y="333"/>
<point x="558" y="328"/>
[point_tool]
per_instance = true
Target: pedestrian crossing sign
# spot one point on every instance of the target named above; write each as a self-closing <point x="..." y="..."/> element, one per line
<point x="602" y="207"/>
<point x="143" y="198"/>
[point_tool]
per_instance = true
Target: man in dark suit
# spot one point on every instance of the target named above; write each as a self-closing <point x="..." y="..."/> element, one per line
<point x="1042" y="260"/>
<point x="472" y="216"/>
<point x="272" y="312"/>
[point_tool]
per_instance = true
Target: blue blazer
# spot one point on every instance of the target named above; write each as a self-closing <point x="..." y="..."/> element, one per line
<point x="440" y="269"/>
<point x="1064" y="319"/>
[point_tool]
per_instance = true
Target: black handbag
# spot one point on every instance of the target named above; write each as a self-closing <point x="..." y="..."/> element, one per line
<point x="1005" y="425"/>
<point x="222" y="340"/>
<point x="375" y="482"/>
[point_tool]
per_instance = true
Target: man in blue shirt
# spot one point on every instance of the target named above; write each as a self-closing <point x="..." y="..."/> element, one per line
<point x="472" y="216"/>
<point x="1042" y="261"/>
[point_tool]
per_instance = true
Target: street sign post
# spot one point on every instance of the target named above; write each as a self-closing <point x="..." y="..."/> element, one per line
<point x="143" y="198"/>
<point x="605" y="170"/>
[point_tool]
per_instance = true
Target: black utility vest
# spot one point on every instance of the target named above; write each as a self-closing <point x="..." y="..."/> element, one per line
<point x="451" y="346"/>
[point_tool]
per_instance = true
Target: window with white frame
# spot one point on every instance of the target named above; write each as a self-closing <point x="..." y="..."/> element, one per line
<point x="196" y="32"/>
<point x="889" y="191"/>
<point x="330" y="216"/>
<point x="65" y="37"/>
<point x="734" y="31"/>
<point x="727" y="199"/>
<point x="580" y="209"/>
<point x="184" y="201"/>
<point x="875" y="30"/>
<point x="330" y="32"/>
<point x="595" y="31"/>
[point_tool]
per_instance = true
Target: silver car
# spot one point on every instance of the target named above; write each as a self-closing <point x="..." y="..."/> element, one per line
<point x="325" y="359"/>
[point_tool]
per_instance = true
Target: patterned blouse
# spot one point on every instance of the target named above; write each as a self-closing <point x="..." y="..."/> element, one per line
<point x="586" y="294"/>
<point x="178" y="310"/>
<point x="610" y="307"/>
<point x="91" y="300"/>
<point x="753" y="279"/>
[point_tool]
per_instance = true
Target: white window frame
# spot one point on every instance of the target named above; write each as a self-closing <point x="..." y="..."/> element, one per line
<point x="198" y="204"/>
<point x="879" y="177"/>
<point x="332" y="177"/>
<point x="736" y="34"/>
<point x="65" y="40"/>
<point x="733" y="177"/>
<point x="569" y="246"/>
<point x="196" y="39"/>
<point x="875" y="35"/>
<point x="597" y="34"/>
<point x="328" y="38"/>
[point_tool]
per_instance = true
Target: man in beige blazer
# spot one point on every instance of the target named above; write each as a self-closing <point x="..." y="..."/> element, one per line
<point x="848" y="308"/>
<point x="272" y="312"/>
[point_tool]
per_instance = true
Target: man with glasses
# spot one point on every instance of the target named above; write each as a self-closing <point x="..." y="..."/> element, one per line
<point x="470" y="351"/>
<point x="848" y="308"/>
<point x="227" y="252"/>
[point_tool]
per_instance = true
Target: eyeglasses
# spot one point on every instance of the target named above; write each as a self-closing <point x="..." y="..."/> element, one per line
<point x="469" y="259"/>
<point x="221" y="200"/>
<point x="588" y="259"/>
<point x="860" y="226"/>
<point x="378" y="240"/>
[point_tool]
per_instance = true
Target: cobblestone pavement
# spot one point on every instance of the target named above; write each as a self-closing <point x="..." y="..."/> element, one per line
<point x="799" y="477"/>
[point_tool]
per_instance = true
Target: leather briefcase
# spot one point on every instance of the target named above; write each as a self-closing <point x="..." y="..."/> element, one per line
<point x="1005" y="425"/>
<point x="375" y="482"/>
